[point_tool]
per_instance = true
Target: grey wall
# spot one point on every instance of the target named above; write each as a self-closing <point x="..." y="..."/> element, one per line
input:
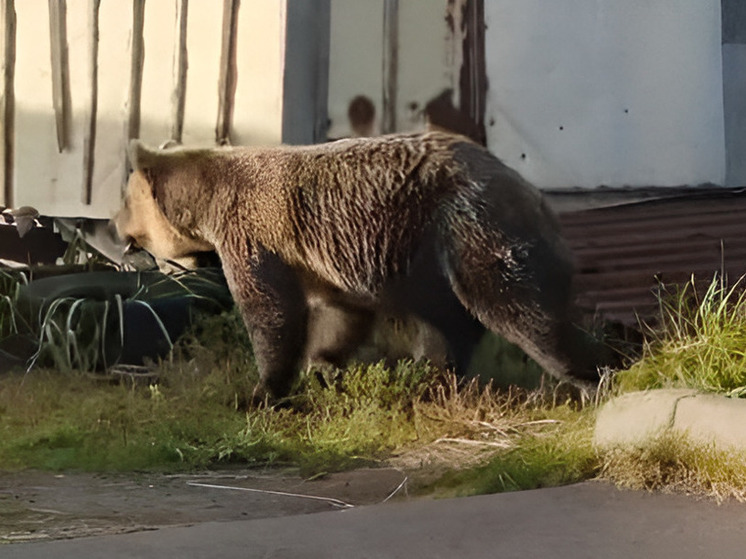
<point x="734" y="90"/>
<point x="306" y="75"/>
<point x="734" y="21"/>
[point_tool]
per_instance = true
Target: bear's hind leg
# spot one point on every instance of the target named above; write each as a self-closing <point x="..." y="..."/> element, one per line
<point x="335" y="332"/>
<point x="426" y="292"/>
<point x="523" y="294"/>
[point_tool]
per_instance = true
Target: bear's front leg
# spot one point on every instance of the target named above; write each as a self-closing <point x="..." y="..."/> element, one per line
<point x="274" y="310"/>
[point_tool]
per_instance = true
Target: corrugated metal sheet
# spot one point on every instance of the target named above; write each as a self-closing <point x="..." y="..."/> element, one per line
<point x="625" y="251"/>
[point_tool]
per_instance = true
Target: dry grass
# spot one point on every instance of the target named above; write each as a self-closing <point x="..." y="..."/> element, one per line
<point x="671" y="463"/>
<point x="700" y="344"/>
<point x="462" y="425"/>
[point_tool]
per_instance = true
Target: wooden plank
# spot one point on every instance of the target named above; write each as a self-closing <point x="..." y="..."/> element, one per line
<point x="181" y="65"/>
<point x="390" y="65"/>
<point x="7" y="99"/>
<point x="228" y="73"/>
<point x="60" y="70"/>
<point x="89" y="140"/>
<point x="660" y="247"/>
<point x="626" y="252"/>
<point x="671" y="232"/>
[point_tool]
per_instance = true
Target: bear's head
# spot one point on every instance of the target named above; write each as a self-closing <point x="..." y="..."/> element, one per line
<point x="156" y="214"/>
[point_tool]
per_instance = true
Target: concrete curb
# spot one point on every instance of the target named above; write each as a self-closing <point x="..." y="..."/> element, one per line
<point x="632" y="419"/>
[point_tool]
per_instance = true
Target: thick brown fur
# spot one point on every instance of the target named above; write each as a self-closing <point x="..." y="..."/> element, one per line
<point x="429" y="224"/>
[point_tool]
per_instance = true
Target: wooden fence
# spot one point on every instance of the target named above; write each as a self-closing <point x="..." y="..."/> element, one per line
<point x="81" y="77"/>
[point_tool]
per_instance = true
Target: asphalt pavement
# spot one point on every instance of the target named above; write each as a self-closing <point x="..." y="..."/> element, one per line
<point x="588" y="520"/>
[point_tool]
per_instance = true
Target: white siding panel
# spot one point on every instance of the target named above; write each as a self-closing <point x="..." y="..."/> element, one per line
<point x="203" y="44"/>
<point x="257" y="116"/>
<point x="592" y="92"/>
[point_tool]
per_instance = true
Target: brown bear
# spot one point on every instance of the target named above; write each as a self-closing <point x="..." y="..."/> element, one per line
<point x="431" y="225"/>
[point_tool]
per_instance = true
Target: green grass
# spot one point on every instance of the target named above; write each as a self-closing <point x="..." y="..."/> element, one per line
<point x="700" y="343"/>
<point x="194" y="418"/>
<point x="452" y="437"/>
<point x="9" y="286"/>
<point x="196" y="415"/>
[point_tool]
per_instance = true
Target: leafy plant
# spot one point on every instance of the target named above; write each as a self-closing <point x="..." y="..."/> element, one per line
<point x="84" y="320"/>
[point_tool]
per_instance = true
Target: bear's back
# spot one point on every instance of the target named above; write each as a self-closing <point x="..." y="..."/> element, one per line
<point x="361" y="207"/>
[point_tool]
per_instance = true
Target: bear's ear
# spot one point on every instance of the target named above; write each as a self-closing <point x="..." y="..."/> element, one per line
<point x="140" y="156"/>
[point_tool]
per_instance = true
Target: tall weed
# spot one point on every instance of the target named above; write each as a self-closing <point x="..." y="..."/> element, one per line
<point x="10" y="320"/>
<point x="700" y="342"/>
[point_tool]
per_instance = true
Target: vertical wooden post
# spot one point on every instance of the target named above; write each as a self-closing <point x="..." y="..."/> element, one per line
<point x="181" y="64"/>
<point x="60" y="69"/>
<point x="390" y="64"/>
<point x="305" y="71"/>
<point x="137" y="57"/>
<point x="136" y="62"/>
<point x="321" y="109"/>
<point x="89" y="140"/>
<point x="7" y="98"/>
<point x="473" y="77"/>
<point x="228" y="72"/>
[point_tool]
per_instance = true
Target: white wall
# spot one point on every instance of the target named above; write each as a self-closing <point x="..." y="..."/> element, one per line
<point x="356" y="46"/>
<point x="53" y="181"/>
<point x="606" y="92"/>
<point x="581" y="92"/>
<point x="356" y="63"/>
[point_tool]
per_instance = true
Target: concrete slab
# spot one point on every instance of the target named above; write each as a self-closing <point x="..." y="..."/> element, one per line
<point x="709" y="418"/>
<point x="634" y="417"/>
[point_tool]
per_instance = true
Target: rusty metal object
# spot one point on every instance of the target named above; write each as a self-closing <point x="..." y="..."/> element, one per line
<point x="7" y="99"/>
<point x="626" y="252"/>
<point x="181" y="65"/>
<point x="136" y="63"/>
<point x="390" y="64"/>
<point x="228" y="73"/>
<point x="89" y="140"/>
<point x="60" y="70"/>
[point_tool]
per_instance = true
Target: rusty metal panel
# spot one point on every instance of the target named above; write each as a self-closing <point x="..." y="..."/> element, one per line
<point x="625" y="252"/>
<point x="182" y="65"/>
<point x="60" y="70"/>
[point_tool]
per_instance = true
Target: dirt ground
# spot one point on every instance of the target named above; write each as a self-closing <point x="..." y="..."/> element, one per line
<point x="37" y="506"/>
